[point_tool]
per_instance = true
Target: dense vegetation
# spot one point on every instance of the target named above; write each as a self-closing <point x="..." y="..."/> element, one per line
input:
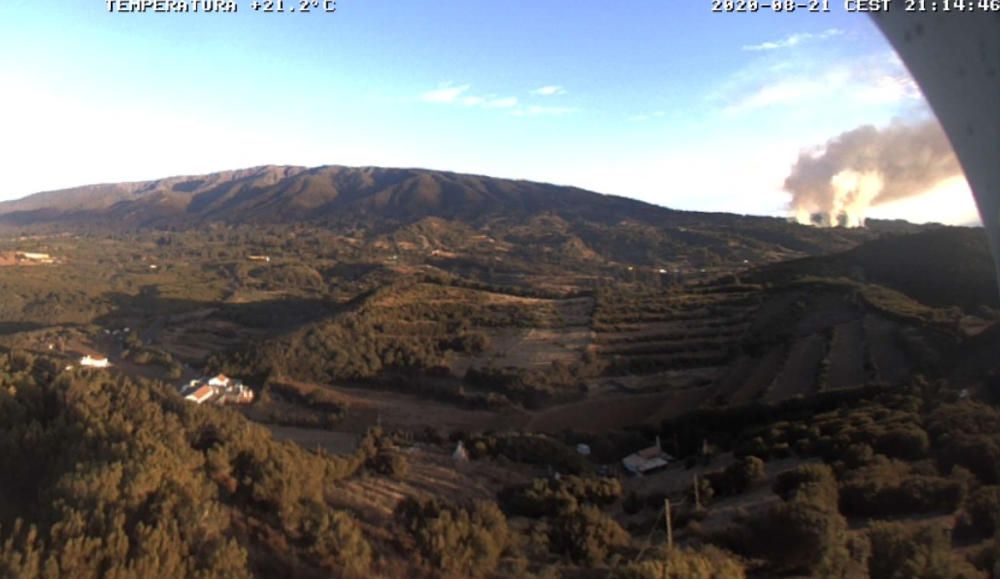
<point x="107" y="476"/>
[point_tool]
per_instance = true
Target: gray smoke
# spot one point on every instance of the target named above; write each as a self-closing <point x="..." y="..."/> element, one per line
<point x="869" y="166"/>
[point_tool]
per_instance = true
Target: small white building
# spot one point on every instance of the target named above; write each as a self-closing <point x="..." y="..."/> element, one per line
<point x="35" y="257"/>
<point x="460" y="453"/>
<point x="647" y="459"/>
<point x="221" y="380"/>
<point x="94" y="362"/>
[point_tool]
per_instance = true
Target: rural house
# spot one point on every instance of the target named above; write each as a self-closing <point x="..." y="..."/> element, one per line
<point x="647" y="459"/>
<point x="94" y="362"/>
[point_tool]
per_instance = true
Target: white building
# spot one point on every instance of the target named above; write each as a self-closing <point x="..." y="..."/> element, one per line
<point x="35" y="257"/>
<point x="647" y="459"/>
<point x="221" y="380"/>
<point x="220" y="389"/>
<point x="94" y="362"/>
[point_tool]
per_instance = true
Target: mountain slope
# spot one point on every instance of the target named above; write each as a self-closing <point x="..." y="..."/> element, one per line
<point x="946" y="266"/>
<point x="273" y="193"/>
<point x="379" y="200"/>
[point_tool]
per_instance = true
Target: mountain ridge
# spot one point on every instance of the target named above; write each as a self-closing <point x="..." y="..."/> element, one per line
<point x="295" y="189"/>
<point x="381" y="199"/>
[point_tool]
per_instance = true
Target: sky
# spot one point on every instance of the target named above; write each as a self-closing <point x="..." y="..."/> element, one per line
<point x="663" y="101"/>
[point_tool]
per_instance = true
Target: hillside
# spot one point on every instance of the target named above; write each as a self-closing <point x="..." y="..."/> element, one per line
<point x="371" y="198"/>
<point x="947" y="266"/>
<point x="386" y="322"/>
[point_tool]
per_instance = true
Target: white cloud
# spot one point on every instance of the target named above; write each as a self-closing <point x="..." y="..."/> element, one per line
<point x="539" y="110"/>
<point x="793" y="40"/>
<point x="876" y="80"/>
<point x="502" y="103"/>
<point x="889" y="88"/>
<point x="549" y="90"/>
<point x="460" y="95"/>
<point x="445" y="94"/>
<point x="647" y="116"/>
<point x="788" y="91"/>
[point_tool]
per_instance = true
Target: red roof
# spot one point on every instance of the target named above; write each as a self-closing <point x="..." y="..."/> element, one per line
<point x="201" y="394"/>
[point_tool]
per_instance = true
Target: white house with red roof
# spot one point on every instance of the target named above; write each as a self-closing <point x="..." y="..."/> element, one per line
<point x="219" y="389"/>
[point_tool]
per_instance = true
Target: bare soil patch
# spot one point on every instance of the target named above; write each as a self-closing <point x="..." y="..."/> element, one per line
<point x="607" y="412"/>
<point x="883" y="348"/>
<point x="313" y="438"/>
<point x="798" y="376"/>
<point x="394" y="410"/>
<point x="761" y="377"/>
<point x="847" y="355"/>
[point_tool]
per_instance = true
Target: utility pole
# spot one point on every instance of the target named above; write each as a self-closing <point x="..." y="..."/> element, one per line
<point x="670" y="528"/>
<point x="697" y="498"/>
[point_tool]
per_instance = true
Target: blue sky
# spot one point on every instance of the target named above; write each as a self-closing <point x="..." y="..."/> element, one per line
<point x="661" y="101"/>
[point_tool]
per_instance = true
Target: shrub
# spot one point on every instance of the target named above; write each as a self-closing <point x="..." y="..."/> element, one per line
<point x="704" y="563"/>
<point x="738" y="476"/>
<point x="987" y="557"/>
<point x="898" y="552"/>
<point x="530" y="449"/>
<point x="908" y="442"/>
<point x="857" y="455"/>
<point x="980" y="453"/>
<point x="804" y="534"/>
<point x="810" y="483"/>
<point x="744" y="472"/>
<point x="587" y="535"/>
<point x="705" y="491"/>
<point x="549" y="497"/>
<point x="796" y="537"/>
<point x="892" y="488"/>
<point x="335" y="540"/>
<point x="983" y="508"/>
<point x="390" y="463"/>
<point x="466" y="541"/>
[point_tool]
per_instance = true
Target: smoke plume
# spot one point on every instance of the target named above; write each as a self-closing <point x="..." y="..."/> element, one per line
<point x="866" y="167"/>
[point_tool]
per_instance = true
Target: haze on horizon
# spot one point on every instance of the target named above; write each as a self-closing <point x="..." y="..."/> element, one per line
<point x="671" y="104"/>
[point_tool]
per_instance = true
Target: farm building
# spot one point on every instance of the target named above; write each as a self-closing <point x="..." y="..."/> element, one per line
<point x="94" y="362"/>
<point x="647" y="459"/>
<point x="221" y="380"/>
<point x="201" y="394"/>
<point x="34" y="257"/>
<point x="221" y="389"/>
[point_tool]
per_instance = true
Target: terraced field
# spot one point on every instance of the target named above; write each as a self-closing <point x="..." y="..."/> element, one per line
<point x="671" y="339"/>
<point x="738" y="344"/>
